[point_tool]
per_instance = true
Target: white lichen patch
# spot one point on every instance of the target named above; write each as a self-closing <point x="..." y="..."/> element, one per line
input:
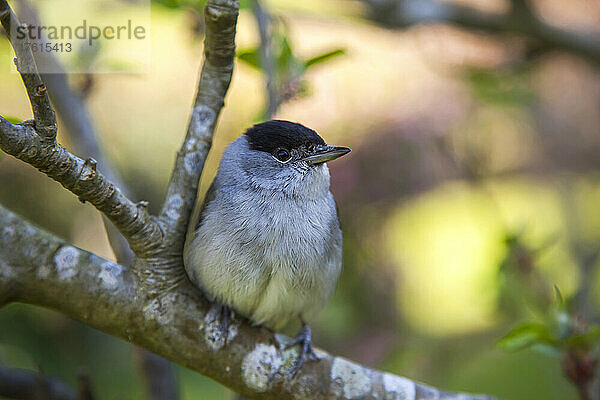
<point x="29" y="231"/>
<point x="202" y="117"/>
<point x="288" y="354"/>
<point x="350" y="379"/>
<point x="190" y="145"/>
<point x="110" y="275"/>
<point x="8" y="233"/>
<point x="65" y="260"/>
<point x="43" y="271"/>
<point x="398" y="388"/>
<point x="5" y="271"/>
<point x="174" y="204"/>
<point x="260" y="366"/>
<point x="191" y="162"/>
<point x="159" y="309"/>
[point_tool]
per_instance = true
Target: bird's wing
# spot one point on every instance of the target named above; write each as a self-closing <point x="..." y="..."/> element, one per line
<point x="199" y="209"/>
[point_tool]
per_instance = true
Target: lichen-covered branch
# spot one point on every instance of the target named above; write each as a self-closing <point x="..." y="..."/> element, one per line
<point x="40" y="269"/>
<point x="34" y="142"/>
<point x="520" y="20"/>
<point x="70" y="107"/>
<point x="43" y="114"/>
<point x="81" y="177"/>
<point x="215" y="76"/>
<point x="140" y="304"/>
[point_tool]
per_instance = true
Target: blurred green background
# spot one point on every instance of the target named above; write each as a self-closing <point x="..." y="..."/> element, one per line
<point x="472" y="189"/>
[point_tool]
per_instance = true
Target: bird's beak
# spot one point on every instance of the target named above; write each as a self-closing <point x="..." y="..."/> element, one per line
<point x="326" y="153"/>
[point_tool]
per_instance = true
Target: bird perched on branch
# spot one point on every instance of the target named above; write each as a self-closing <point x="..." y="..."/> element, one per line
<point x="267" y="242"/>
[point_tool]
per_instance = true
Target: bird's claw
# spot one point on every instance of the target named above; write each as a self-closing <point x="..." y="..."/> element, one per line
<point x="222" y="314"/>
<point x="307" y="353"/>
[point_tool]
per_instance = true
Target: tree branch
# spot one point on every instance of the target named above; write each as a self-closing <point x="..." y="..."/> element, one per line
<point x="175" y="321"/>
<point x="43" y="114"/>
<point x="70" y="107"/>
<point x="215" y="76"/>
<point x="521" y="20"/>
<point x="30" y="143"/>
<point x="45" y="271"/>
<point x="81" y="178"/>
<point x="267" y="61"/>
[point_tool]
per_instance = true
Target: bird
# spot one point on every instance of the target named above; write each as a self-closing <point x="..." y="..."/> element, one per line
<point x="266" y="242"/>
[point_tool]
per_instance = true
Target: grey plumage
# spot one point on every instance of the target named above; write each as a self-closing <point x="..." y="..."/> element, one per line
<point x="267" y="240"/>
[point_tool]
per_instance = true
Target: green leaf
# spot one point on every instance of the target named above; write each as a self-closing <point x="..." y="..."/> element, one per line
<point x="558" y="297"/>
<point x="250" y="56"/>
<point x="179" y="4"/>
<point x="321" y="58"/>
<point x="286" y="56"/>
<point x="245" y="4"/>
<point x="526" y="335"/>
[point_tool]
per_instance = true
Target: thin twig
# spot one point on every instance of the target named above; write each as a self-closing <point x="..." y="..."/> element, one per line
<point x="267" y="61"/>
<point x="520" y="20"/>
<point x="75" y="118"/>
<point x="43" y="114"/>
<point x="29" y="143"/>
<point x="81" y="178"/>
<point x="215" y="76"/>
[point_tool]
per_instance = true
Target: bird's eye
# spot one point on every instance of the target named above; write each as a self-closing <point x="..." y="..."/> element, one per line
<point x="282" y="154"/>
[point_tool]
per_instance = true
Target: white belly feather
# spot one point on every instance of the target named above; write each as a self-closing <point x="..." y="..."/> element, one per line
<point x="269" y="265"/>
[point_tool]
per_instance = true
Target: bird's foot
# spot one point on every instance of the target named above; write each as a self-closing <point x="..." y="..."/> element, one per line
<point x="223" y="315"/>
<point x="307" y="353"/>
<point x="225" y="319"/>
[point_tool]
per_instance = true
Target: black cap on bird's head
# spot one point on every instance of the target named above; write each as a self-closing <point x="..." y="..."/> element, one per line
<point x="287" y="140"/>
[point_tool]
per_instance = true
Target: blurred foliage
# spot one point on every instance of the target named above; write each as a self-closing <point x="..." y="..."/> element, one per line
<point x="507" y="87"/>
<point x="556" y="326"/>
<point x="289" y="70"/>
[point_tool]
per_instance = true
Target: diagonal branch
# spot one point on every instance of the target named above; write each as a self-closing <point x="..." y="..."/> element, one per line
<point x="70" y="108"/>
<point x="30" y="142"/>
<point x="43" y="270"/>
<point x="43" y="114"/>
<point x="80" y="177"/>
<point x="521" y="20"/>
<point x="219" y="50"/>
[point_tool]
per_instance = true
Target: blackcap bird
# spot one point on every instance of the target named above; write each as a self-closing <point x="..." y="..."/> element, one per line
<point x="267" y="242"/>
